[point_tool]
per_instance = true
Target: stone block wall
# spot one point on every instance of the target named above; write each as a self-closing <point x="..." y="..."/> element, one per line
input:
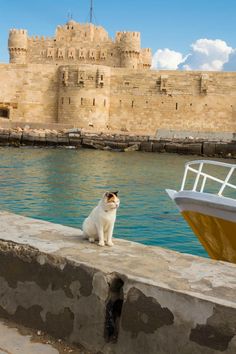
<point x="146" y="102"/>
<point x="29" y="92"/>
<point x="84" y="96"/>
<point x="101" y="98"/>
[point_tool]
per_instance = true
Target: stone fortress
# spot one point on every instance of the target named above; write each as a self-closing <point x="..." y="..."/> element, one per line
<point x="82" y="78"/>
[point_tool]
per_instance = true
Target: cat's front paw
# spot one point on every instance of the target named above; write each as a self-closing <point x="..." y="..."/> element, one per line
<point x="110" y="243"/>
<point x="101" y="243"/>
<point x="91" y="239"/>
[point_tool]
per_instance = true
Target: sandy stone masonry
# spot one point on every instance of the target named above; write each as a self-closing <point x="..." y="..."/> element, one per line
<point x="76" y="43"/>
<point x="129" y="298"/>
<point x="83" y="78"/>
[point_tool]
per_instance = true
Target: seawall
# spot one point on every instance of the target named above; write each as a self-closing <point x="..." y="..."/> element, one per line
<point x="129" y="298"/>
<point x="188" y="143"/>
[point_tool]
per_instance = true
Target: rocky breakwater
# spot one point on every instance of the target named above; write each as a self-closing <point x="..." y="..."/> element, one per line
<point x="78" y="138"/>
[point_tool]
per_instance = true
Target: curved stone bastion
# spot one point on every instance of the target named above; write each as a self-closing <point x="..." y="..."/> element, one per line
<point x="127" y="299"/>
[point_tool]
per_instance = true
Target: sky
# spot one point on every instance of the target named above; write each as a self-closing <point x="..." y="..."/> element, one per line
<point x="183" y="34"/>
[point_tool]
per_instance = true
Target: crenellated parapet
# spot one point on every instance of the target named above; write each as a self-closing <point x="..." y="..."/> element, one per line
<point x="76" y="43"/>
<point x="18" y="46"/>
<point x="128" y="41"/>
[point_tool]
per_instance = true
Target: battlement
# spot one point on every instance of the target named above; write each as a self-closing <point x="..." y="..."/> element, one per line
<point x="17" y="31"/>
<point x="79" y="43"/>
<point x="120" y="34"/>
<point x="40" y="39"/>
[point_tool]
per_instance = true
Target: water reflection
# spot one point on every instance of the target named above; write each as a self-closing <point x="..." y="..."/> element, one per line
<point x="63" y="186"/>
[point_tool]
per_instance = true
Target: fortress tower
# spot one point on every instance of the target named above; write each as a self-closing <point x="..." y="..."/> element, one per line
<point x="76" y="43"/>
<point x="146" y="58"/>
<point x="129" y="43"/>
<point x="18" y="46"/>
<point x="84" y="95"/>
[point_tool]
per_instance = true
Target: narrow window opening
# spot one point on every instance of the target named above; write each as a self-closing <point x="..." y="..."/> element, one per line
<point x="62" y="100"/>
<point x="81" y="101"/>
<point x="4" y="112"/>
<point x="176" y="106"/>
<point x="191" y="104"/>
<point x="94" y="102"/>
<point x="69" y="100"/>
<point x="132" y="105"/>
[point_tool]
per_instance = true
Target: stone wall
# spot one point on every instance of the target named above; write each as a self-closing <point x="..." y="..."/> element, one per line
<point x="30" y="92"/>
<point x="148" y="101"/>
<point x="101" y="98"/>
<point x="84" y="96"/>
<point x="126" y="299"/>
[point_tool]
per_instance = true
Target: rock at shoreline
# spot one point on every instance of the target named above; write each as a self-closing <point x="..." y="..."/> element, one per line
<point x="132" y="148"/>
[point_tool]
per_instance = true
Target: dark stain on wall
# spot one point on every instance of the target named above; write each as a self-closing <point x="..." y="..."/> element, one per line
<point x="143" y="314"/>
<point x="27" y="317"/>
<point x="114" y="305"/>
<point x="209" y="336"/>
<point x="59" y="325"/>
<point x="14" y="269"/>
<point x="217" y="332"/>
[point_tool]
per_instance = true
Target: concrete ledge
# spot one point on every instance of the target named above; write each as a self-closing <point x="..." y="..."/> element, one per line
<point x="126" y="299"/>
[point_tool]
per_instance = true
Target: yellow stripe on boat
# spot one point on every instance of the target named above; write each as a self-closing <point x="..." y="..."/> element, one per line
<point x="218" y="236"/>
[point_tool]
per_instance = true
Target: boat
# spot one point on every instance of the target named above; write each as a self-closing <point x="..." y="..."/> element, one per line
<point x="208" y="204"/>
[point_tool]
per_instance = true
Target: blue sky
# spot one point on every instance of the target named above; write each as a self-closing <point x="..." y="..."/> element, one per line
<point x="165" y="24"/>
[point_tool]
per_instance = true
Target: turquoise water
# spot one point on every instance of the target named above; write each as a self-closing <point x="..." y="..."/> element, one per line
<point x="62" y="186"/>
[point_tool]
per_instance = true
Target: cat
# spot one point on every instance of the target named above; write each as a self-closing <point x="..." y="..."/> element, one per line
<point x="100" y="223"/>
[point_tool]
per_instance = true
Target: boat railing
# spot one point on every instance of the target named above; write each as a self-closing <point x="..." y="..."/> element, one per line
<point x="202" y="177"/>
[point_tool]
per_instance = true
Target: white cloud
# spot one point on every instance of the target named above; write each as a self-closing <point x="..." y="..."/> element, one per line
<point x="206" y="54"/>
<point x="166" y="59"/>
<point x="231" y="64"/>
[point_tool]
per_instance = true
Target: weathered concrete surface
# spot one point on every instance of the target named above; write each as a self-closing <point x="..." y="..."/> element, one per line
<point x="16" y="339"/>
<point x="12" y="342"/>
<point x="126" y="299"/>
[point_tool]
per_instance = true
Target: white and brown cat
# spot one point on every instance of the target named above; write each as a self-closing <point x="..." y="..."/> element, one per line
<point x="99" y="225"/>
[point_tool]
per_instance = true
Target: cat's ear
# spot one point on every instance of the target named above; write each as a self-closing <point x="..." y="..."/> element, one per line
<point x="115" y="193"/>
<point x="108" y="195"/>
